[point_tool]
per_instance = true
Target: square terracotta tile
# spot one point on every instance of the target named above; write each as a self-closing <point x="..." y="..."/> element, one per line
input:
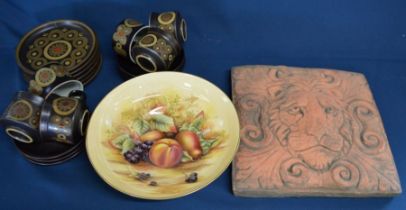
<point x="309" y="132"/>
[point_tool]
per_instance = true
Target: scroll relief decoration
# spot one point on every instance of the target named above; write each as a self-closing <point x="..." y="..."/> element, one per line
<point x="309" y="131"/>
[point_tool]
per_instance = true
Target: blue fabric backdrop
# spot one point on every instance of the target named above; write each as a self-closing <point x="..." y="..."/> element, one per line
<point x="367" y="36"/>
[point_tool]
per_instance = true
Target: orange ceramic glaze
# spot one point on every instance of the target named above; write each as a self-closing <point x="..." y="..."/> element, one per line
<point x="309" y="132"/>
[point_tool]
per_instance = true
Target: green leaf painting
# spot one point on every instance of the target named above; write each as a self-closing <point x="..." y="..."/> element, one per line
<point x="163" y="123"/>
<point x="140" y="126"/>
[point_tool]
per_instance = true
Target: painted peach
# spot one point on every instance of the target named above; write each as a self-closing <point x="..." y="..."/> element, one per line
<point x="166" y="153"/>
<point x="152" y="136"/>
<point x="190" y="143"/>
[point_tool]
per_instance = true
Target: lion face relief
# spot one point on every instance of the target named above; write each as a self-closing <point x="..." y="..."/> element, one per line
<point x="310" y="124"/>
<point x="309" y="132"/>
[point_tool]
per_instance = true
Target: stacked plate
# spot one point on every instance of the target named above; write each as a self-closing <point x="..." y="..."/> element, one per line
<point x="49" y="153"/>
<point x="66" y="44"/>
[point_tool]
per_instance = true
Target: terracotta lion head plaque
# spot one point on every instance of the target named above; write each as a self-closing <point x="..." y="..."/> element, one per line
<point x="309" y="132"/>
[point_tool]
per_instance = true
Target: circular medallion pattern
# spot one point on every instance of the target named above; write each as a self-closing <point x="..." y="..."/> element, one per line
<point x="148" y="40"/>
<point x="37" y="63"/>
<point x="57" y="50"/>
<point x="61" y="138"/>
<point x="34" y="53"/>
<point x="64" y="106"/>
<point x="166" y="18"/>
<point x="66" y="121"/>
<point x="55" y="34"/>
<point x="131" y="23"/>
<point x="20" y="110"/>
<point x="41" y="42"/>
<point x="45" y="77"/>
<point x="71" y="34"/>
<point x="56" y="119"/>
<point x="80" y="42"/>
<point x="68" y="62"/>
<point x="119" y="49"/>
<point x="65" y="47"/>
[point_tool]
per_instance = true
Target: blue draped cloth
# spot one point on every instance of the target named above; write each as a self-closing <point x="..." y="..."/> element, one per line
<point x="367" y="36"/>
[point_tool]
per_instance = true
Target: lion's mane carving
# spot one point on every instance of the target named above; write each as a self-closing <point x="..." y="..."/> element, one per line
<point x="309" y="132"/>
<point x="308" y="119"/>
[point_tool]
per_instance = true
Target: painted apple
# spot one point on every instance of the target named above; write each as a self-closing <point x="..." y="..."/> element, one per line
<point x="152" y="136"/>
<point x="190" y="143"/>
<point x="166" y="153"/>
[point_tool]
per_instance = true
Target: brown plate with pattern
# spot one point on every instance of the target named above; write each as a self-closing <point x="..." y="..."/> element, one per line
<point x="83" y="68"/>
<point x="94" y="71"/>
<point x="54" y="162"/>
<point x="68" y="43"/>
<point x="71" y="153"/>
<point x="86" y="69"/>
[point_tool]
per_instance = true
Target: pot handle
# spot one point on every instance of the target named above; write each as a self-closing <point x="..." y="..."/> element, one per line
<point x="19" y="135"/>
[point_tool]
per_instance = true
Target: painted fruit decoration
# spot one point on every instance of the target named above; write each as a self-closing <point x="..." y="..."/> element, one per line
<point x="166" y="153"/>
<point x="152" y="136"/>
<point x="166" y="132"/>
<point x="190" y="143"/>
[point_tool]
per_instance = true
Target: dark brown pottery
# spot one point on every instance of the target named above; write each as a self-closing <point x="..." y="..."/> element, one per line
<point x="66" y="43"/>
<point x="64" y="119"/>
<point x="47" y="81"/>
<point x="171" y="22"/>
<point x="49" y="153"/>
<point x="154" y="49"/>
<point x="21" y="118"/>
<point x="123" y="36"/>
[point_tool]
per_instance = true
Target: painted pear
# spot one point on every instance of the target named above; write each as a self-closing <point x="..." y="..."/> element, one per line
<point x="190" y="143"/>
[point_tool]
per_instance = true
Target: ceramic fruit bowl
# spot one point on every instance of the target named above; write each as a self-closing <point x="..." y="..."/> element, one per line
<point x="162" y="135"/>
